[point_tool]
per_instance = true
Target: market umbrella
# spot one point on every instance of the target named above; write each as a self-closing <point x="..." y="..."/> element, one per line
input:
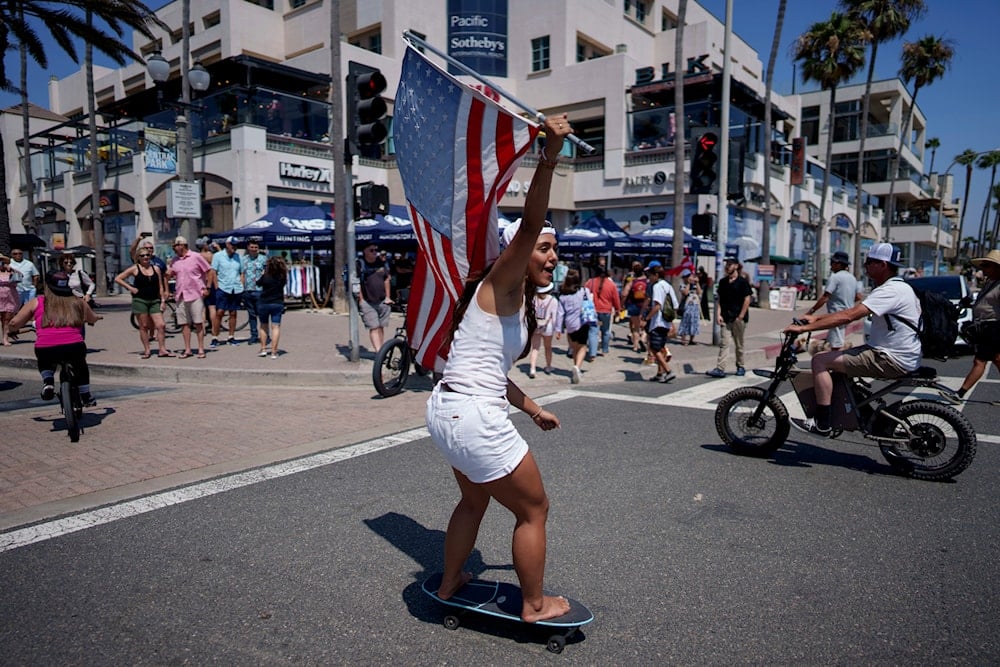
<point x="287" y="226"/>
<point x="661" y="239"/>
<point x="596" y="235"/>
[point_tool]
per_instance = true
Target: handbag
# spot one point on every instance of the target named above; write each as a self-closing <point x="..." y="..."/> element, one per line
<point x="588" y="313"/>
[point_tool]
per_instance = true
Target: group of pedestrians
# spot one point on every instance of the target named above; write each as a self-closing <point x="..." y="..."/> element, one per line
<point x="207" y="286"/>
<point x="647" y="298"/>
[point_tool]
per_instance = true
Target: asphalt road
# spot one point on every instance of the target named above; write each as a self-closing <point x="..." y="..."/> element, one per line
<point x="686" y="554"/>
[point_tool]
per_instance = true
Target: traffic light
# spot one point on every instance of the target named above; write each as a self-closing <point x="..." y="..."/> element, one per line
<point x="364" y="125"/>
<point x="374" y="199"/>
<point x="701" y="224"/>
<point x="734" y="175"/>
<point x="704" y="163"/>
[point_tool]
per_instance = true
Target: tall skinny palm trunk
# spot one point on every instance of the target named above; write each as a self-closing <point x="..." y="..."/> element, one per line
<point x="860" y="180"/>
<point x="822" y="227"/>
<point x="100" y="272"/>
<point x="764" y="298"/>
<point x="29" y="179"/>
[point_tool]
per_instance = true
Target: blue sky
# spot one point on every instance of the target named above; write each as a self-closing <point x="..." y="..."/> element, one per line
<point x="960" y="109"/>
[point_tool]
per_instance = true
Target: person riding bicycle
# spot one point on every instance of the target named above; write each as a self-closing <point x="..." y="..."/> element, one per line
<point x="59" y="317"/>
<point x="892" y="352"/>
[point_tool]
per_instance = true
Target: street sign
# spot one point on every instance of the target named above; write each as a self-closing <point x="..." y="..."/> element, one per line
<point x="184" y="200"/>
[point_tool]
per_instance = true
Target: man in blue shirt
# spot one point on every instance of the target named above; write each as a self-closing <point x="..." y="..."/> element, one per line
<point x="253" y="269"/>
<point x="229" y="294"/>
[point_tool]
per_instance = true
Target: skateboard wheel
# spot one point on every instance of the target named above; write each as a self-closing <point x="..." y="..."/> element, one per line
<point x="556" y="644"/>
<point x="451" y="622"/>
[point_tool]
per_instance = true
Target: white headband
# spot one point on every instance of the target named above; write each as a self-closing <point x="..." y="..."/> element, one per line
<point x="511" y="230"/>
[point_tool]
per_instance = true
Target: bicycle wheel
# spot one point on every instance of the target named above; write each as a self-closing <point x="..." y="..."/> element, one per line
<point x="242" y="319"/>
<point x="391" y="367"/>
<point x="744" y="434"/>
<point x="941" y="445"/>
<point x="66" y="390"/>
<point x="170" y="318"/>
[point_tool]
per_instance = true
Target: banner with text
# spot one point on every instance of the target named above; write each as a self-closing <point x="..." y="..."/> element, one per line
<point x="161" y="151"/>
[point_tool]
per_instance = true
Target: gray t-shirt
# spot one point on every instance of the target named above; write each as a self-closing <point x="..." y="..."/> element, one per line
<point x="842" y="288"/>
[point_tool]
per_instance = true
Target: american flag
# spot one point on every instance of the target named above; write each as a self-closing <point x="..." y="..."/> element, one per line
<point x="456" y="152"/>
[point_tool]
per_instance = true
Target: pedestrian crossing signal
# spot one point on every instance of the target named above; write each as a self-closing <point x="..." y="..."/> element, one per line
<point x="704" y="164"/>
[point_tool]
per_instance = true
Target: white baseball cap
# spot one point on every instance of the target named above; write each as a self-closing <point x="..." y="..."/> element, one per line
<point x="885" y="252"/>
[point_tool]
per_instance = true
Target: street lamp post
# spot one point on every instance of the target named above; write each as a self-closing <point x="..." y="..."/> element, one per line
<point x="198" y="78"/>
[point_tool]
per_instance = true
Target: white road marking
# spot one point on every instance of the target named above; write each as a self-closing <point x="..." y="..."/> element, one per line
<point x="58" y="527"/>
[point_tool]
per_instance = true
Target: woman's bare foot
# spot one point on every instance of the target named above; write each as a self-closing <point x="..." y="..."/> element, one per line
<point x="552" y="606"/>
<point x="449" y="588"/>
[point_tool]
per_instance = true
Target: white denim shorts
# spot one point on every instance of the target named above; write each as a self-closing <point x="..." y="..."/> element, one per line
<point x="475" y="434"/>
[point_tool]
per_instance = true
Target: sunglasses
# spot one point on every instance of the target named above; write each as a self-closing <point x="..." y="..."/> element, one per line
<point x="146" y="256"/>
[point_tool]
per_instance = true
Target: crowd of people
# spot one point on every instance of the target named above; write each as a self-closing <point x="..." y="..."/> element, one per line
<point x="656" y="314"/>
<point x="207" y="285"/>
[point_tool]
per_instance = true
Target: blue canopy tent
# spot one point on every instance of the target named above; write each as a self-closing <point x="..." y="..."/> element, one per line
<point x="596" y="235"/>
<point x="393" y="231"/>
<point x="287" y="226"/>
<point x="660" y="239"/>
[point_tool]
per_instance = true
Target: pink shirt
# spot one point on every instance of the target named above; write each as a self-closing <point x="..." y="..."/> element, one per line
<point x="189" y="273"/>
<point x="52" y="336"/>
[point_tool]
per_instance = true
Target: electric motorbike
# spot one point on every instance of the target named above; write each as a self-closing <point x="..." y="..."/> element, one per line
<point x="923" y="439"/>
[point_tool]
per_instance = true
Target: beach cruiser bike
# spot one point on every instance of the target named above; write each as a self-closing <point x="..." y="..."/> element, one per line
<point x="392" y="365"/>
<point x="923" y="439"/>
<point x="69" y="399"/>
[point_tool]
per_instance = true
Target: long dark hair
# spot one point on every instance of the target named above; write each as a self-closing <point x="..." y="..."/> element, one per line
<point x="571" y="283"/>
<point x="469" y="291"/>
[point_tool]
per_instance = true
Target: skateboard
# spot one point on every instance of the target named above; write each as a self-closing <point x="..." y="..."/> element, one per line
<point x="503" y="600"/>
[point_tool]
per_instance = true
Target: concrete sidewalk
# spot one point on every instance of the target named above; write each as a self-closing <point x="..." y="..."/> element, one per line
<point x="315" y="352"/>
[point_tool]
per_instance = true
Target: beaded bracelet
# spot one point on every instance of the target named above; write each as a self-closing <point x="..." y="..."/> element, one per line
<point x="535" y="416"/>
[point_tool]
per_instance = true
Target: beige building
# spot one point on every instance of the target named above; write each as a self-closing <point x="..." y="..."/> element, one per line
<point x="260" y="139"/>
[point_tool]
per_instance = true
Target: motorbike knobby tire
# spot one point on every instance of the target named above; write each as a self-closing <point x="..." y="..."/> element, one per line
<point x="733" y="418"/>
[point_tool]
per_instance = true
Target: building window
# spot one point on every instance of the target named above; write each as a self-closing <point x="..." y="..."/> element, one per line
<point x="212" y="20"/>
<point x="810" y="125"/>
<point x="587" y="50"/>
<point x="266" y="4"/>
<point x="370" y="40"/>
<point x="298" y="3"/>
<point x="847" y="118"/>
<point x="637" y="10"/>
<point x="540" y="54"/>
<point x="668" y="21"/>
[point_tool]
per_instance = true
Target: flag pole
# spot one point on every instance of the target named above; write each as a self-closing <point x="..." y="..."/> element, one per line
<point x="538" y="115"/>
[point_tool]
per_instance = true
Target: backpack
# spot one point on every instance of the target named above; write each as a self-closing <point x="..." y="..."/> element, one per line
<point x="588" y="314"/>
<point x="938" y="325"/>
<point x="637" y="292"/>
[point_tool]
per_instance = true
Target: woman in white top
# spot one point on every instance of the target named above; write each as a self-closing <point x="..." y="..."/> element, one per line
<point x="467" y="414"/>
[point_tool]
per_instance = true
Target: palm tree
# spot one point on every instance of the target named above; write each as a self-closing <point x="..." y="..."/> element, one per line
<point x="680" y="132"/>
<point x="62" y="21"/>
<point x="933" y="143"/>
<point x="765" y="244"/>
<point x="924" y="62"/>
<point x="883" y="21"/>
<point x="996" y="207"/>
<point x="830" y="52"/>
<point x="990" y="161"/>
<point x="967" y="158"/>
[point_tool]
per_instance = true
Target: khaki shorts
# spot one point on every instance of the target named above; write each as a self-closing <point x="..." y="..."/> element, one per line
<point x="374" y="315"/>
<point x="865" y="361"/>
<point x="191" y="312"/>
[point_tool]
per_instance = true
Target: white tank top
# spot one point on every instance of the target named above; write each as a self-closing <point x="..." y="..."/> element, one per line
<point x="483" y="351"/>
